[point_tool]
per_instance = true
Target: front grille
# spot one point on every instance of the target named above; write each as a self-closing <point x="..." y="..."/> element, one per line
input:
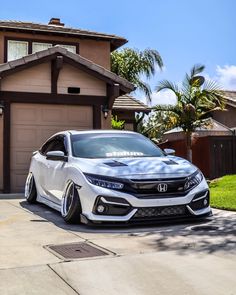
<point x="149" y="188"/>
<point x="160" y="211"/>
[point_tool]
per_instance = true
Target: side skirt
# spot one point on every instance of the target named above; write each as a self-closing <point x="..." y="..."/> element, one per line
<point x="49" y="203"/>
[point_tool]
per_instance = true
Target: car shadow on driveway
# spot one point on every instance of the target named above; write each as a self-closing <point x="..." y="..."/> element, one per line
<point x="209" y="235"/>
<point x="48" y="214"/>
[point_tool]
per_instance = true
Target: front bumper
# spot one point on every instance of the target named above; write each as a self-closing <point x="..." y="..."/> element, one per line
<point x="126" y="208"/>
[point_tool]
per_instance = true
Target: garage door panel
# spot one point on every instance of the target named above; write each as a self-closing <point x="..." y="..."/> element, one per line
<point x="81" y="117"/>
<point x="32" y="125"/>
<point x="50" y="116"/>
<point x="21" y="159"/>
<point x="47" y="132"/>
<point x="25" y="115"/>
<point x="24" y="136"/>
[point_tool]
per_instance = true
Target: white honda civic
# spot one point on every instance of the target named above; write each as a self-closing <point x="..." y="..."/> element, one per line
<point x="114" y="176"/>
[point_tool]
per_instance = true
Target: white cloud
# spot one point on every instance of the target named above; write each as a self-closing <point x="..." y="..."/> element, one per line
<point x="226" y="77"/>
<point x="163" y="97"/>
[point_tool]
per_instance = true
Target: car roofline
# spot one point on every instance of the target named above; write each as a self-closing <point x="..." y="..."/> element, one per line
<point x="74" y="132"/>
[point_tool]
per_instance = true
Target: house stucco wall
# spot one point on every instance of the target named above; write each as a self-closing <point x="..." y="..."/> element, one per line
<point x="34" y="79"/>
<point x="96" y="51"/>
<point x="38" y="79"/>
<point x="228" y="118"/>
<point x="72" y="77"/>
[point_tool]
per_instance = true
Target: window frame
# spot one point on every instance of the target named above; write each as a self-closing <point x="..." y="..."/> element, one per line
<point x="31" y="41"/>
<point x="19" y="41"/>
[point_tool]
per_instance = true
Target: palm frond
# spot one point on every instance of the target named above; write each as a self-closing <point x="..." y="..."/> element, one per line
<point x="168" y="85"/>
<point x="131" y="64"/>
<point x="154" y="57"/>
<point x="148" y="59"/>
<point x="196" y="69"/>
<point x="164" y="108"/>
<point x="169" y="109"/>
<point x="211" y="85"/>
<point x="145" y="88"/>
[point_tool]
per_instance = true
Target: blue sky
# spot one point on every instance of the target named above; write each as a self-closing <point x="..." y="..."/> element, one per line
<point x="185" y="32"/>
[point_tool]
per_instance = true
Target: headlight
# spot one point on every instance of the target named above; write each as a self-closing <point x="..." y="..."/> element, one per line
<point x="193" y="180"/>
<point x="104" y="183"/>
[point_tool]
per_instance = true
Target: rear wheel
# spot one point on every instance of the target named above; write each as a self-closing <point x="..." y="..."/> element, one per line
<point x="71" y="206"/>
<point x="30" y="189"/>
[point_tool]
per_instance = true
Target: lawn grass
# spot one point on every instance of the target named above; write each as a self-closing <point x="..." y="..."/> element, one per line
<point x="223" y="192"/>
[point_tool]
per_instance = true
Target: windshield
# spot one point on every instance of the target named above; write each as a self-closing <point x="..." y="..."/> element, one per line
<point x="112" y="145"/>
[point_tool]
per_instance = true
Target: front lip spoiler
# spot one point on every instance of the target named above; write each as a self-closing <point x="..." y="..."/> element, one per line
<point x="198" y="212"/>
<point x="146" y="221"/>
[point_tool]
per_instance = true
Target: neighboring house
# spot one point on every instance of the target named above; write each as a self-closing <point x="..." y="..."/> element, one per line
<point x="52" y="78"/>
<point x="213" y="128"/>
<point x="125" y="108"/>
<point x="213" y="148"/>
<point x="228" y="117"/>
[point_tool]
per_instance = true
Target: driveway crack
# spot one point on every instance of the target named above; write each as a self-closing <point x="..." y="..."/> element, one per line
<point x="76" y="292"/>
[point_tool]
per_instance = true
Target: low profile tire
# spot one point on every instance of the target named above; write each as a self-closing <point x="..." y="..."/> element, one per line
<point x="30" y="189"/>
<point x="71" y="206"/>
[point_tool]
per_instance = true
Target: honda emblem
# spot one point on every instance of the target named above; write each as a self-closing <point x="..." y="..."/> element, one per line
<point x="162" y="187"/>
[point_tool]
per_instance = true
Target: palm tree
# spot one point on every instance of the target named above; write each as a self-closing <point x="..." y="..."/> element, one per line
<point x="196" y="99"/>
<point x="131" y="64"/>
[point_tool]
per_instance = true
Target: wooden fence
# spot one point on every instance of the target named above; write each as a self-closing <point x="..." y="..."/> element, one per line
<point x="215" y="156"/>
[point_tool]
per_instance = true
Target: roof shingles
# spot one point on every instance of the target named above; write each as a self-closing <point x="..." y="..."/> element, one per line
<point x="129" y="103"/>
<point x="230" y="97"/>
<point x="116" y="41"/>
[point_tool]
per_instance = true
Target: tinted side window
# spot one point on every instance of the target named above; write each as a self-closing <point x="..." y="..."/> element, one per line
<point x="45" y="147"/>
<point x="55" y="144"/>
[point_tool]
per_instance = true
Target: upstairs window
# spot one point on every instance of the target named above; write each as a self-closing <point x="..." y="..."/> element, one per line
<point x="38" y="46"/>
<point x="70" y="48"/>
<point x="16" y="49"/>
<point x="19" y="48"/>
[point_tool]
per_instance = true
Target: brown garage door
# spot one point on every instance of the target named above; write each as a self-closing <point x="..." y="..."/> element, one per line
<point x="32" y="124"/>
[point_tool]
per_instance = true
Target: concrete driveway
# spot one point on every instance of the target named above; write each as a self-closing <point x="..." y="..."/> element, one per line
<point x="195" y="258"/>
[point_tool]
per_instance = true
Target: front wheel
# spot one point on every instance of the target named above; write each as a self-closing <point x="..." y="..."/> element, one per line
<point x="71" y="206"/>
<point x="30" y="189"/>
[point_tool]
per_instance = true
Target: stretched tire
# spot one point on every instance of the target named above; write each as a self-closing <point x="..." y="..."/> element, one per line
<point x="30" y="189"/>
<point x="71" y="206"/>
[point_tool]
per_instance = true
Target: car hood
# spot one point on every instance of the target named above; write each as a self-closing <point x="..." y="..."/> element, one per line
<point x="139" y="168"/>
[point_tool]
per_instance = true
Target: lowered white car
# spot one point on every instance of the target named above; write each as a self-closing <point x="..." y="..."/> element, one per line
<point x="114" y="176"/>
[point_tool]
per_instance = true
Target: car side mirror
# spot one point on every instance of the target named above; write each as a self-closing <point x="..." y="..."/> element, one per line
<point x="56" y="156"/>
<point x="169" y="152"/>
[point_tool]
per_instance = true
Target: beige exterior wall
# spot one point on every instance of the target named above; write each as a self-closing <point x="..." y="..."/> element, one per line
<point x="34" y="79"/>
<point x="38" y="79"/>
<point x="72" y="77"/>
<point x="96" y="51"/>
<point x="1" y="152"/>
<point x="227" y="118"/>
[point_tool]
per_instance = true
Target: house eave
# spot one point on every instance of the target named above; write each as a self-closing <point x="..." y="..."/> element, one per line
<point x="115" y="41"/>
